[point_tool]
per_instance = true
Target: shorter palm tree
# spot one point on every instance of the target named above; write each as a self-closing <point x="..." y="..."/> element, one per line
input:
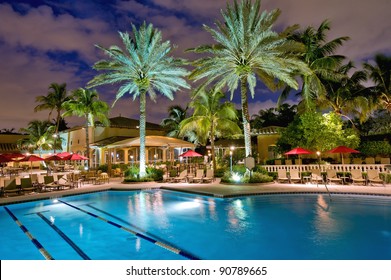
<point x="40" y="137"/>
<point x="211" y="119"/>
<point x="85" y="103"/>
<point x="380" y="74"/>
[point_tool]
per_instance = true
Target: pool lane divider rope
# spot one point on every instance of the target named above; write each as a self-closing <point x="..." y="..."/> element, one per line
<point x="37" y="244"/>
<point x="138" y="234"/>
<point x="64" y="236"/>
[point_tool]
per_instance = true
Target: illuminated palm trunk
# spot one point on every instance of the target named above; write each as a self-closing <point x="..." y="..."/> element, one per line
<point x="142" y="133"/>
<point x="88" y="142"/>
<point x="245" y="116"/>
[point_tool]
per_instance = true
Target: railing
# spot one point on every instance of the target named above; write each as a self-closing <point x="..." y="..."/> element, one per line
<point x="383" y="168"/>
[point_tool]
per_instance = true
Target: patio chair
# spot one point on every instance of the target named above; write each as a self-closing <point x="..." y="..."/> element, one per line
<point x="316" y="176"/>
<point x="199" y="176"/>
<point x="209" y="177"/>
<point x="102" y="178"/>
<point x="294" y="176"/>
<point x="282" y="176"/>
<point x="356" y="176"/>
<point x="182" y="177"/>
<point x="10" y="187"/>
<point x="331" y="176"/>
<point x="373" y="177"/>
<point x="27" y="185"/>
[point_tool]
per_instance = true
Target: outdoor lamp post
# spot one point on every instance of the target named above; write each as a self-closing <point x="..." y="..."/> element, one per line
<point x="230" y="161"/>
<point x="155" y="156"/>
<point x="131" y="157"/>
<point x="318" y="154"/>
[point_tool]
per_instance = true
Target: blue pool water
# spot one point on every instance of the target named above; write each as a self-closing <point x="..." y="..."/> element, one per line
<point x="160" y="224"/>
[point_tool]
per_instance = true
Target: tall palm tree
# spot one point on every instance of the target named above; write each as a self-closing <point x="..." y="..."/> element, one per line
<point x="143" y="68"/>
<point x="40" y="136"/>
<point x="319" y="56"/>
<point x="210" y="119"/>
<point x="85" y="103"/>
<point x="53" y="101"/>
<point x="380" y="74"/>
<point x="247" y="48"/>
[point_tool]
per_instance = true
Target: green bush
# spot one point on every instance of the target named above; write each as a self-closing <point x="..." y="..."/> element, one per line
<point x="136" y="179"/>
<point x="219" y="172"/>
<point x="256" y="177"/>
<point x="374" y="148"/>
<point x="153" y="174"/>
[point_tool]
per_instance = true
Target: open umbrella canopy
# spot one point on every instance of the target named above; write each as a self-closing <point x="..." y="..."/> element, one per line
<point x="64" y="154"/>
<point x="75" y="157"/>
<point x="190" y="153"/>
<point x="13" y="156"/>
<point x="298" y="151"/>
<point x="54" y="157"/>
<point x="4" y="159"/>
<point x="343" y="150"/>
<point x="31" y="158"/>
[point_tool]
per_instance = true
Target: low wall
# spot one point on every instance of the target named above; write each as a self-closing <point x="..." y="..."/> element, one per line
<point x="383" y="168"/>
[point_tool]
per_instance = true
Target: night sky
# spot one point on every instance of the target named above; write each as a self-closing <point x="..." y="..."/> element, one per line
<point x="42" y="42"/>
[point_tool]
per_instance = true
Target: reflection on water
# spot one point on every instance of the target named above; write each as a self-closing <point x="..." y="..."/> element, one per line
<point x="237" y="216"/>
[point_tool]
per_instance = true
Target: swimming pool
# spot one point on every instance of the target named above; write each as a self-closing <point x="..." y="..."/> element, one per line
<point x="161" y="224"/>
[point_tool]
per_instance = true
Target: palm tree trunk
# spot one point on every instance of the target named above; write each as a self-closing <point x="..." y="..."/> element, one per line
<point x="245" y="116"/>
<point x="212" y="145"/>
<point x="56" y="132"/>
<point x="142" y="133"/>
<point x="87" y="143"/>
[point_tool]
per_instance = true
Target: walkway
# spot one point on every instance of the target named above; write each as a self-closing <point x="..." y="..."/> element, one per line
<point x="212" y="189"/>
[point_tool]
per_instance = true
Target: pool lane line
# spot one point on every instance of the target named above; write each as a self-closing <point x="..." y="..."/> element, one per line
<point x="138" y="234"/>
<point x="126" y="222"/>
<point x="37" y="244"/>
<point x="65" y="237"/>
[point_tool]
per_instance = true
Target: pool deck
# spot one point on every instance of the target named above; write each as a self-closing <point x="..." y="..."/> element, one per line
<point x="215" y="189"/>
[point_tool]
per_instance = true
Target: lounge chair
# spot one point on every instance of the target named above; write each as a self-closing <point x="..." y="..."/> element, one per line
<point x="199" y="176"/>
<point x="10" y="187"/>
<point x="50" y="183"/>
<point x="294" y="176"/>
<point x="209" y="177"/>
<point x="332" y="177"/>
<point x="316" y="176"/>
<point x="369" y="160"/>
<point x="356" y="176"/>
<point x="373" y="177"/>
<point x="27" y="185"/>
<point x="282" y="176"/>
<point x="182" y="177"/>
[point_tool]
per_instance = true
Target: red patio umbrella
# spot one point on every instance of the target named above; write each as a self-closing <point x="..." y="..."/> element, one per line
<point x="190" y="153"/>
<point x="53" y="157"/>
<point x="75" y="157"/>
<point x="343" y="150"/>
<point x="64" y="154"/>
<point x="4" y="158"/>
<point x="298" y="151"/>
<point x="31" y="158"/>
